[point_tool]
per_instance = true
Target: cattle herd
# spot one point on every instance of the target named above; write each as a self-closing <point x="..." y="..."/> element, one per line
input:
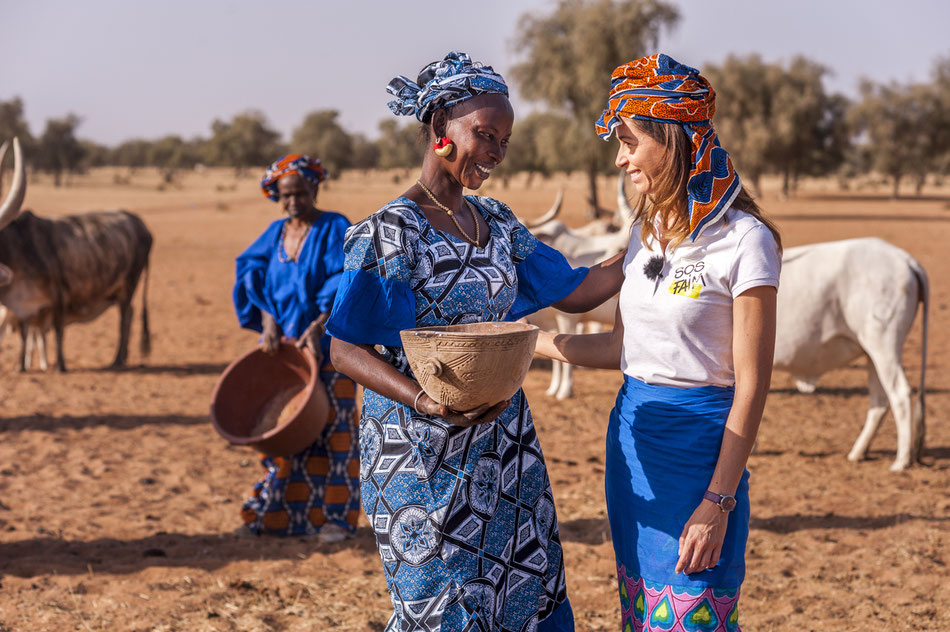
<point x="838" y="301"/>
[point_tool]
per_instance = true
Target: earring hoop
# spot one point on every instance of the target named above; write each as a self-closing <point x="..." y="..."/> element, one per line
<point x="442" y="147"/>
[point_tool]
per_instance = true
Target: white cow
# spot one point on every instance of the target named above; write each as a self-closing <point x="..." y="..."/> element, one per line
<point x="33" y="338"/>
<point x="841" y="300"/>
<point x="838" y="301"/>
<point x="581" y="248"/>
<point x="549" y="225"/>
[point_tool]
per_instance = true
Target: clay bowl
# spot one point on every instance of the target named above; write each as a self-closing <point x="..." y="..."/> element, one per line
<point x="275" y="404"/>
<point x="465" y="366"/>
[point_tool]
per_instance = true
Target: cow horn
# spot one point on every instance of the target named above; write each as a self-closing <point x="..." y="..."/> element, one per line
<point x="3" y="152"/>
<point x="11" y="205"/>
<point x="551" y="214"/>
<point x="623" y="206"/>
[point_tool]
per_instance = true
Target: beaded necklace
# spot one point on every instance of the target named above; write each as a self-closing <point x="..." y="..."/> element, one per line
<point x="451" y="214"/>
<point x="282" y="255"/>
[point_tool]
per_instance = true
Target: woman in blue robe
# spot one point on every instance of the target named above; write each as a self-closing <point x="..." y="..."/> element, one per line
<point x="460" y="502"/>
<point x="285" y="286"/>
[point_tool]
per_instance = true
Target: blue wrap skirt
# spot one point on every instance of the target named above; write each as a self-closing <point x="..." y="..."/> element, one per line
<point x="662" y="447"/>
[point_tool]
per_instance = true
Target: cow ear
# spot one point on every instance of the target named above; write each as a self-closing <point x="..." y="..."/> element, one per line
<point x="6" y="275"/>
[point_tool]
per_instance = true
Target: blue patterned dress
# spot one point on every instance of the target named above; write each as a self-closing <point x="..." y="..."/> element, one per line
<point x="464" y="518"/>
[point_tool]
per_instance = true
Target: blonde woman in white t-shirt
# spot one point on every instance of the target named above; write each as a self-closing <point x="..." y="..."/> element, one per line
<point x="694" y="336"/>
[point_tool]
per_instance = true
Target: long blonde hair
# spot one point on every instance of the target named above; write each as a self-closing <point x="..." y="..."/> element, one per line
<point x="667" y="205"/>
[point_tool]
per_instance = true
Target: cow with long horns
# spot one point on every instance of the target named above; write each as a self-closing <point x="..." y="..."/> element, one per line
<point x="59" y="271"/>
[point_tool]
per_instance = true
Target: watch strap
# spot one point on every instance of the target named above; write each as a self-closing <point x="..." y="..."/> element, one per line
<point x="718" y="499"/>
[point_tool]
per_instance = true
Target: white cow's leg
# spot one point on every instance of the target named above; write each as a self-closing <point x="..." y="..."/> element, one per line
<point x="898" y="394"/>
<point x="877" y="408"/>
<point x="30" y="347"/>
<point x="555" y="378"/>
<point x="567" y="324"/>
<point x="39" y="335"/>
<point x="805" y="384"/>
<point x="566" y="388"/>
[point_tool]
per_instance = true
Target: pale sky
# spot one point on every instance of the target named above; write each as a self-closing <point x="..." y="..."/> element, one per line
<point x="131" y="68"/>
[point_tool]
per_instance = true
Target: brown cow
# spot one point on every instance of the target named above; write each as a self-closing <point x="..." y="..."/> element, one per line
<point x="60" y="271"/>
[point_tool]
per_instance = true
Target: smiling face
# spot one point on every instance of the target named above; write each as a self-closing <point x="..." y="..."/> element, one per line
<point x="480" y="129"/>
<point x="641" y="156"/>
<point x="296" y="195"/>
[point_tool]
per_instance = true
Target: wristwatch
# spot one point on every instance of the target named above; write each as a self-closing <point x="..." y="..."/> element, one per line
<point x="724" y="502"/>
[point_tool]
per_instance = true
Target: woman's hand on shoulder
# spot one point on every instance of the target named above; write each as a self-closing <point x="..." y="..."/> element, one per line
<point x="481" y="415"/>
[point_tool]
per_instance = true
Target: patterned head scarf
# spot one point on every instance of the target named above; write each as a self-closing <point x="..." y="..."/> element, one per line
<point x="661" y="89"/>
<point x="308" y="168"/>
<point x="446" y="83"/>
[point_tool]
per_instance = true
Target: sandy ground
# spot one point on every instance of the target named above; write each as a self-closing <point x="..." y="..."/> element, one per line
<point x="118" y="500"/>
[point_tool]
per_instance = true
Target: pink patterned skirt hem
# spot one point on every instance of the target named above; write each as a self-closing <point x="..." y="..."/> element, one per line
<point x="651" y="607"/>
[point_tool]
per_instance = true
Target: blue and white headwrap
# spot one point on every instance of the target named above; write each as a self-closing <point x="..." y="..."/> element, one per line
<point x="448" y="82"/>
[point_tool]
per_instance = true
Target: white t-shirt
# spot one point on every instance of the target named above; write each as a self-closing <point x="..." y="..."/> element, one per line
<point x="678" y="328"/>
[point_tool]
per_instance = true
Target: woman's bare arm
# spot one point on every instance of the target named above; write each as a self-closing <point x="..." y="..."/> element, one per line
<point x="598" y="351"/>
<point x="602" y="281"/>
<point x="753" y="344"/>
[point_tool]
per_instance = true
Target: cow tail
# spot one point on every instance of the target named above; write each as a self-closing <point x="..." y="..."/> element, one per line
<point x="924" y="285"/>
<point x="145" y="342"/>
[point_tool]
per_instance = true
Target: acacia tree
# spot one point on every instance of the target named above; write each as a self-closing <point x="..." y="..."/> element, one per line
<point x="244" y="142"/>
<point x="805" y="123"/>
<point x="541" y="143"/>
<point x="897" y="124"/>
<point x="321" y="136"/>
<point x="13" y="123"/>
<point x="59" y="150"/>
<point x="172" y="153"/>
<point x="744" y="112"/>
<point x="569" y="55"/>
<point x="399" y="146"/>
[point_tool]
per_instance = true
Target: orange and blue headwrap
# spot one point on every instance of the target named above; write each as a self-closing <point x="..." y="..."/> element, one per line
<point x="661" y="89"/>
<point x="445" y="83"/>
<point x="308" y="168"/>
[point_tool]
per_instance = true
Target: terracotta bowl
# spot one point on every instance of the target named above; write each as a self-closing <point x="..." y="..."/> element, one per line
<point x="466" y="366"/>
<point x="275" y="404"/>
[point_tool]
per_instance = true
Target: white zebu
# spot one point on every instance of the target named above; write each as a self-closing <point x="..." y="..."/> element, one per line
<point x="838" y="301"/>
<point x="584" y="246"/>
<point x="841" y="300"/>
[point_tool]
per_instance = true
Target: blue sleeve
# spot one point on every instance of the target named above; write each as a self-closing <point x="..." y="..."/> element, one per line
<point x="374" y="300"/>
<point x="544" y="274"/>
<point x="544" y="278"/>
<point x="251" y="270"/>
<point x="332" y="264"/>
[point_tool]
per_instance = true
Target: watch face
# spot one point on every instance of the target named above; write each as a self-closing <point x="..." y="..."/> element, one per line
<point x="727" y="503"/>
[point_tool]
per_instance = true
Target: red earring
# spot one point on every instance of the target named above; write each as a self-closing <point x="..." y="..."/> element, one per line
<point x="442" y="147"/>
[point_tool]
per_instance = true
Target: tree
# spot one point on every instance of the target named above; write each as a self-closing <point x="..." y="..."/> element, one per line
<point x="94" y="154"/>
<point x="542" y="143"/>
<point x="12" y="123"/>
<point x="897" y="124"/>
<point x="59" y="149"/>
<point x="321" y="136"/>
<point x="365" y="153"/>
<point x="744" y="112"/>
<point x="399" y="147"/>
<point x="132" y="153"/>
<point x="806" y="123"/>
<point x="170" y="154"/>
<point x="773" y="119"/>
<point x="569" y="55"/>
<point x="244" y="142"/>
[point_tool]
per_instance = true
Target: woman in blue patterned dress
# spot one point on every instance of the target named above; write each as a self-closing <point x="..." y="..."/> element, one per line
<point x="460" y="503"/>
<point x="285" y="284"/>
